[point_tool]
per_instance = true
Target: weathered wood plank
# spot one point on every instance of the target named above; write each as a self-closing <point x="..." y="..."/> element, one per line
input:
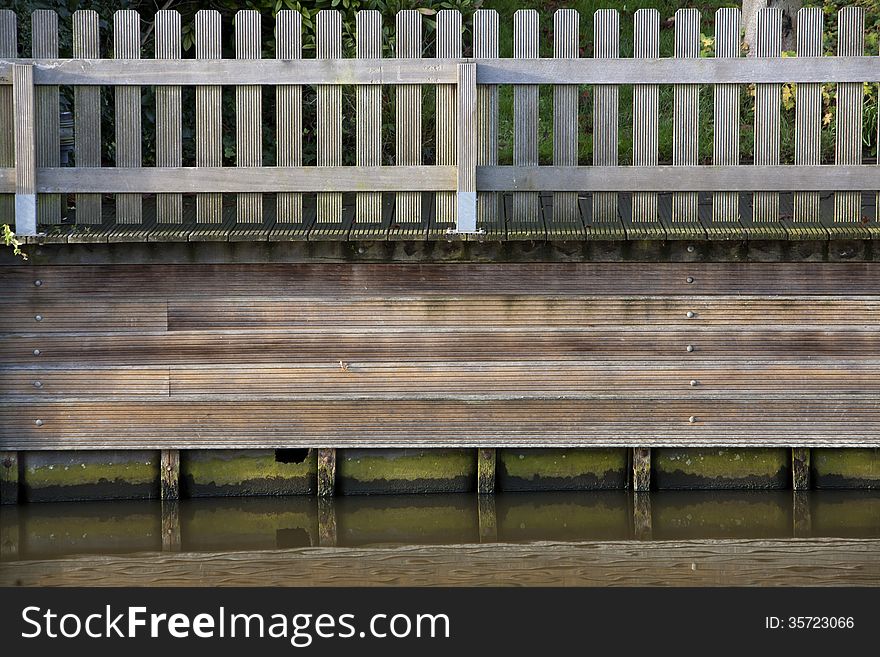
<point x="566" y="44"/>
<point x="849" y="114"/>
<point x="466" y="146"/>
<point x="288" y="114"/>
<point x="248" y="116"/>
<point x="808" y="113"/>
<point x="725" y="143"/>
<point x="526" y="214"/>
<point x="448" y="423"/>
<point x="326" y="472"/>
<point x="414" y="71"/>
<point x="44" y="44"/>
<point x="24" y="143"/>
<point x="768" y="43"/>
<point x="9" y="482"/>
<point x="8" y="49"/>
<point x="606" y="40"/>
<point x="641" y="463"/>
<point x="87" y="113"/>
<point x="65" y="315"/>
<point x="686" y="119"/>
<point x="447" y="128"/>
<point x="408" y="126"/>
<point x="328" y="45"/>
<point x="369" y="114"/>
<point x="800" y="468"/>
<point x="169" y="474"/>
<point x="114" y="381"/>
<point x="209" y="120"/>
<point x="486" y="460"/>
<point x="485" y="45"/>
<point x="127" y="45"/>
<point x="646" y="117"/>
<point x="169" y="119"/>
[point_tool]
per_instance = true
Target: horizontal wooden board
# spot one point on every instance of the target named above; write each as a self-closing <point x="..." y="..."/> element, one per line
<point x="58" y="315"/>
<point x="522" y="311"/>
<point x="524" y="423"/>
<point x="460" y="279"/>
<point x="422" y="345"/>
<point x="444" y="71"/>
<point x="534" y="379"/>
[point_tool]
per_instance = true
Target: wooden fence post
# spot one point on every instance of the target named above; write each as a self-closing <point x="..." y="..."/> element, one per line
<point x="486" y="460"/>
<point x="209" y="119"/>
<point x="288" y="113"/>
<point x="47" y="117"/>
<point x="606" y="142"/>
<point x="169" y="474"/>
<point x="169" y="121"/>
<point x="566" y="44"/>
<point x="686" y="120"/>
<point x="447" y="125"/>
<point x="87" y="112"/>
<point x="808" y="118"/>
<point x="8" y="49"/>
<point x="466" y="201"/>
<point x="248" y="115"/>
<point x="848" y="120"/>
<point x="641" y="460"/>
<point x="526" y="210"/>
<point x="768" y="43"/>
<point x="369" y="114"/>
<point x="485" y="45"/>
<point x="800" y="468"/>
<point x="725" y="144"/>
<point x="127" y="45"/>
<point x="25" y="149"/>
<point x="408" y="127"/>
<point x="646" y="99"/>
<point x="328" y="45"/>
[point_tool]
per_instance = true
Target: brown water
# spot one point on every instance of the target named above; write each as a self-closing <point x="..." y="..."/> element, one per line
<point x="595" y="538"/>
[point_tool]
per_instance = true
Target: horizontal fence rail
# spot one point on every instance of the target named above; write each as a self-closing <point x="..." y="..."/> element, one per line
<point x="465" y="160"/>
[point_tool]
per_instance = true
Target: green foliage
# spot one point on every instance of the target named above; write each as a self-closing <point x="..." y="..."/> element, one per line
<point x="10" y="239"/>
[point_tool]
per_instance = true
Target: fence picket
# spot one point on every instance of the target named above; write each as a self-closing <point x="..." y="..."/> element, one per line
<point x="566" y="37"/>
<point x="328" y="45"/>
<point x="768" y="43"/>
<point x="808" y="112"/>
<point x="646" y="98"/>
<point x="288" y="113"/>
<point x="169" y="122"/>
<point x="248" y="115"/>
<point x="9" y="49"/>
<point x="127" y="45"/>
<point x="485" y="44"/>
<point x="725" y="143"/>
<point x="408" y="127"/>
<point x="850" y="98"/>
<point x="448" y="47"/>
<point x="525" y="215"/>
<point x="209" y="115"/>
<point x="87" y="113"/>
<point x="606" y="40"/>
<point x="686" y="114"/>
<point x="369" y="114"/>
<point x="44" y="45"/>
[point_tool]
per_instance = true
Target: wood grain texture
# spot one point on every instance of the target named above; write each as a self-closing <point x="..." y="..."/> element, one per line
<point x="369" y="114"/>
<point x="209" y="121"/>
<point x="447" y="125"/>
<point x="328" y="45"/>
<point x="726" y="119"/>
<point x="849" y="111"/>
<point x="248" y="115"/>
<point x="8" y="49"/>
<point x="646" y="117"/>
<point x="526" y="210"/>
<point x="44" y="44"/>
<point x="169" y="117"/>
<point x="408" y="115"/>
<point x="606" y="39"/>
<point x="87" y="113"/>
<point x="288" y="113"/>
<point x="566" y="44"/>
<point x="686" y="112"/>
<point x="768" y="43"/>
<point x="485" y="44"/>
<point x="799" y="562"/>
<point x="129" y="137"/>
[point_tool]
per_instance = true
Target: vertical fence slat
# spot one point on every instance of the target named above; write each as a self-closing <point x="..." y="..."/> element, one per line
<point x="808" y="112"/>
<point x="606" y="40"/>
<point x="850" y="98"/>
<point x="466" y="137"/>
<point x="87" y="113"/>
<point x="448" y="47"/>
<point x="248" y="115"/>
<point x="127" y="45"/>
<point x="526" y="209"/>
<point x="566" y="38"/>
<point x="768" y="43"/>
<point x="725" y="143"/>
<point x="686" y="114"/>
<point x="328" y="45"/>
<point x="209" y="118"/>
<point x="646" y="98"/>
<point x="8" y="49"/>
<point x="169" y="152"/>
<point x="25" y="124"/>
<point x="485" y="45"/>
<point x="369" y="114"/>
<point x="409" y="115"/>
<point x="44" y="44"/>
<point x="288" y="113"/>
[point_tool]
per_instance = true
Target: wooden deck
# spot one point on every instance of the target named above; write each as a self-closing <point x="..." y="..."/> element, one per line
<point x="545" y="226"/>
<point x="478" y="355"/>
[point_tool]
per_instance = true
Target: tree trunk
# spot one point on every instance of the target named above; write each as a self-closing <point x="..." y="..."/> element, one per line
<point x="750" y="9"/>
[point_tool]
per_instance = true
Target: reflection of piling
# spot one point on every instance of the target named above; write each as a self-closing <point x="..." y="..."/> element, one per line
<point x="10" y="534"/>
<point x="486" y="471"/>
<point x="170" y="525"/>
<point x="326" y="472"/>
<point x="487" y="517"/>
<point x="802" y="519"/>
<point x="327" y="536"/>
<point x="9" y="477"/>
<point x="642" y="518"/>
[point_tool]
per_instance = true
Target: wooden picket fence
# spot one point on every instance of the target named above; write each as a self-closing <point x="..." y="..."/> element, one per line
<point x="465" y="187"/>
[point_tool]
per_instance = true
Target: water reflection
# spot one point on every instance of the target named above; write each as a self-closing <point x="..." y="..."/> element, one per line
<point x="45" y="531"/>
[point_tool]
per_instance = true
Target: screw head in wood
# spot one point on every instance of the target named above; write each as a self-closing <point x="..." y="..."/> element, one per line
<point x="38" y="282"/>
<point x="39" y="423"/>
<point x="694" y="383"/>
<point x="692" y="419"/>
<point x="690" y="248"/>
<point x="38" y="318"/>
<point x="689" y="348"/>
<point x="38" y="384"/>
<point x="690" y="279"/>
<point x="36" y="352"/>
<point x="690" y="314"/>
